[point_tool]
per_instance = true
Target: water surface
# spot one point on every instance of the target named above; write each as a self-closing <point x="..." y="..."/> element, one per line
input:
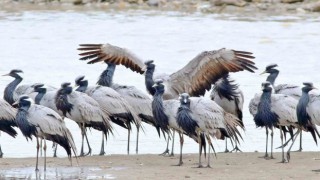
<point x="43" y="44"/>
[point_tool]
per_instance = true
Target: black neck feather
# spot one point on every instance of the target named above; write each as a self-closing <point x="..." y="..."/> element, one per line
<point x="303" y="116"/>
<point x="107" y="76"/>
<point x="161" y="118"/>
<point x="9" y="90"/>
<point x="21" y="120"/>
<point x="264" y="116"/>
<point x="62" y="103"/>
<point x="149" y="81"/>
<point x="272" y="77"/>
<point x="83" y="85"/>
<point x="185" y="120"/>
<point x="40" y="95"/>
<point x="226" y="88"/>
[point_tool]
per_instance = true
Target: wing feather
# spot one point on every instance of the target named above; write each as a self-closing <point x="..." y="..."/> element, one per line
<point x="207" y="67"/>
<point x="112" y="54"/>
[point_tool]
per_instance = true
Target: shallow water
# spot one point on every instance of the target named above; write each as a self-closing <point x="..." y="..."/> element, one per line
<point x="55" y="173"/>
<point x="43" y="44"/>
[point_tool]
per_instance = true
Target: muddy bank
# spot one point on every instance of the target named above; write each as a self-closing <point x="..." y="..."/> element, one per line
<point x="189" y="6"/>
<point x="226" y="166"/>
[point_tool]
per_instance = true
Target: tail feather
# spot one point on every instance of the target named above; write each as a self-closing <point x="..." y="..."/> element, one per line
<point x="314" y="131"/>
<point x="232" y="122"/>
<point x="6" y="126"/>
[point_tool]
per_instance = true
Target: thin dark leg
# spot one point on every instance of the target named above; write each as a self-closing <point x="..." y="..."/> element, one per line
<point x="281" y="137"/>
<point x="181" y="146"/>
<point x="271" y="156"/>
<point x="128" y="145"/>
<point x="45" y="154"/>
<point x="200" y="149"/>
<point x="55" y="147"/>
<point x="82" y="134"/>
<point x="1" y="153"/>
<point x="294" y="139"/>
<point x="38" y="146"/>
<point x="102" y="146"/>
<point x="209" y="142"/>
<point x="173" y="134"/>
<point x="300" y="147"/>
<point x="167" y="149"/>
<point x="236" y="148"/>
<point x="137" y="142"/>
<point x="266" y="154"/>
<point x="226" y="150"/>
<point x="85" y="135"/>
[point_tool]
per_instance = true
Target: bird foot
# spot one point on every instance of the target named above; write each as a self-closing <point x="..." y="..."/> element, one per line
<point x="102" y="153"/>
<point x="200" y="166"/>
<point x="164" y="153"/>
<point x="299" y="150"/>
<point x="171" y="155"/>
<point x="236" y="149"/>
<point x="265" y="156"/>
<point x="1" y="155"/>
<point x="208" y="166"/>
<point x="89" y="152"/>
<point x="288" y="156"/>
<point x="283" y="161"/>
<point x="180" y="163"/>
<point x="226" y="151"/>
<point x="54" y="155"/>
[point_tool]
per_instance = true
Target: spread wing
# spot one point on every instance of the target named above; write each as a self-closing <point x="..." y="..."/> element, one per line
<point x="111" y="54"/>
<point x="207" y="67"/>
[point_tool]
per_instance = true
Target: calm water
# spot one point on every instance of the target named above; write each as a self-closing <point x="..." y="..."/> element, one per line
<point x="43" y="45"/>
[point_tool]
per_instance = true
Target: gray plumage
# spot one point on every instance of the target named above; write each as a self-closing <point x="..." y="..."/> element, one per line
<point x="7" y="120"/>
<point x="42" y="122"/>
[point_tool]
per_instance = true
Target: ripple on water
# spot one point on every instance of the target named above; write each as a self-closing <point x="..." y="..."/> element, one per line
<point x="57" y="173"/>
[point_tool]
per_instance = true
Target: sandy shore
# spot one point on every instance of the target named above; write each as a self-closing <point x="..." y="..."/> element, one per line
<point x="226" y="166"/>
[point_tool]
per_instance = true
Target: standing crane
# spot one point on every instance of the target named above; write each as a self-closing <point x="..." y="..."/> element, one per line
<point x="228" y="96"/>
<point x="44" y="123"/>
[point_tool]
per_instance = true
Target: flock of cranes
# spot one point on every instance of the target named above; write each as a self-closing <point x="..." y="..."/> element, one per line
<point x="175" y="103"/>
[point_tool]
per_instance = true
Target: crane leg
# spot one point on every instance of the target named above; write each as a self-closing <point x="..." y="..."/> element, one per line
<point x="128" y="145"/>
<point x="137" y="142"/>
<point x="281" y="137"/>
<point x="200" y="149"/>
<point x="294" y="139"/>
<point x="181" y="146"/>
<point x="266" y="154"/>
<point x="236" y="148"/>
<point x="102" y="146"/>
<point x="226" y="150"/>
<point x="1" y="153"/>
<point x="300" y="146"/>
<point x="45" y="154"/>
<point x="209" y="142"/>
<point x="38" y="146"/>
<point x="167" y="149"/>
<point x="55" y="147"/>
<point x="271" y="134"/>
<point x="173" y="134"/>
<point x="82" y="142"/>
<point x="89" y="147"/>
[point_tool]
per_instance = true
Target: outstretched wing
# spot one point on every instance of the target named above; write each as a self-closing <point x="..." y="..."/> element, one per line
<point x="207" y="67"/>
<point x="111" y="54"/>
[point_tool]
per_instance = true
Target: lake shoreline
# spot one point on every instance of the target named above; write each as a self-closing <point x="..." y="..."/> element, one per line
<point x="190" y="6"/>
<point x="147" y="166"/>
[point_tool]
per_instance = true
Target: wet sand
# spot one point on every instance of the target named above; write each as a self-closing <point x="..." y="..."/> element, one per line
<point x="151" y="166"/>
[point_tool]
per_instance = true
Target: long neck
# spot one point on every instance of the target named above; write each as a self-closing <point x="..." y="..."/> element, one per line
<point x="272" y="77"/>
<point x="9" y="90"/>
<point x="161" y="118"/>
<point x="185" y="120"/>
<point x="149" y="81"/>
<point x="62" y="103"/>
<point x="39" y="96"/>
<point x="264" y="116"/>
<point x="226" y="89"/>
<point x="107" y="76"/>
<point x="302" y="114"/>
<point x="23" y="124"/>
<point x="83" y="87"/>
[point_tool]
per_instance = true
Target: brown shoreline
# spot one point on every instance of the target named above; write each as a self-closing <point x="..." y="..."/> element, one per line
<point x="150" y="166"/>
<point x="268" y="7"/>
